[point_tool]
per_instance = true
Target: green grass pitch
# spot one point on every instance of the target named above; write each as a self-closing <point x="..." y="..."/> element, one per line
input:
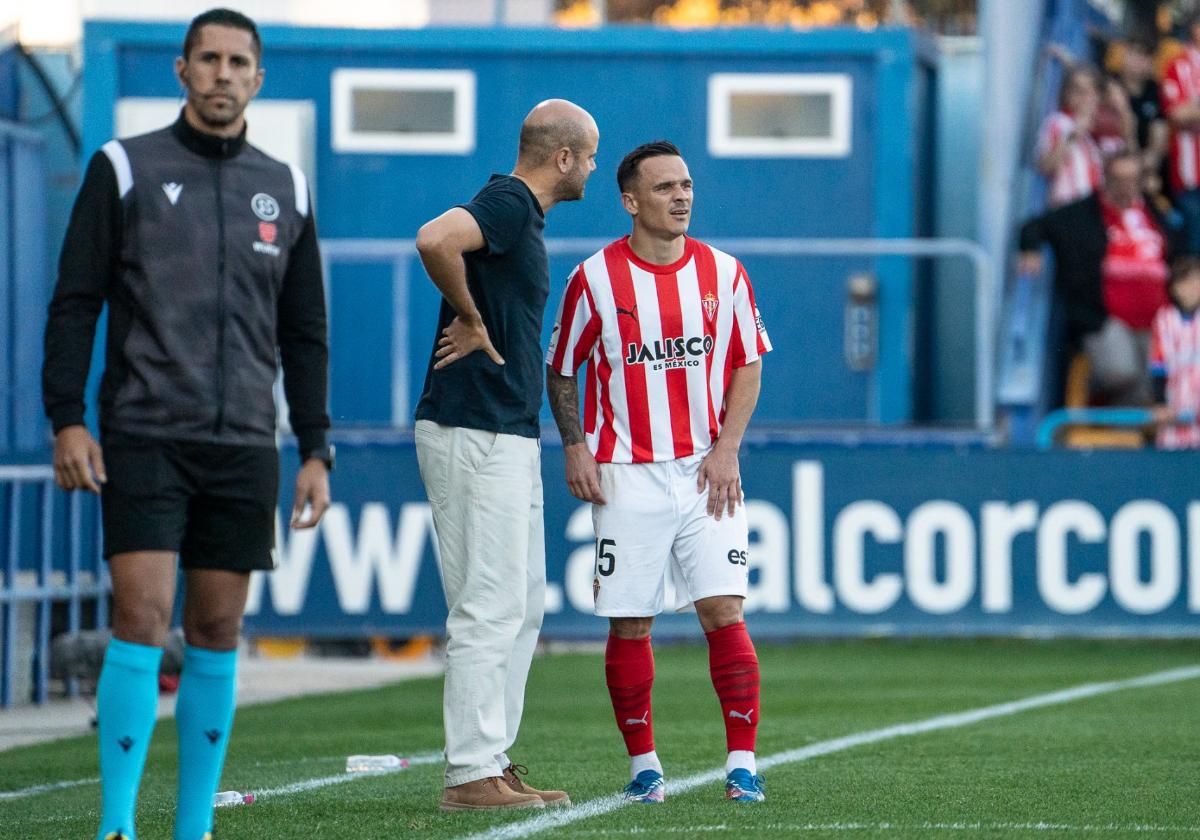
<point x="1116" y="764"/>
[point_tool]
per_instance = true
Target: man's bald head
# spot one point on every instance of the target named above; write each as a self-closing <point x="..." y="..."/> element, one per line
<point x="552" y="125"/>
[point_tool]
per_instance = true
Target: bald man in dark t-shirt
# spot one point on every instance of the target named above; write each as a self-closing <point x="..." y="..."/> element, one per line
<point x="478" y="448"/>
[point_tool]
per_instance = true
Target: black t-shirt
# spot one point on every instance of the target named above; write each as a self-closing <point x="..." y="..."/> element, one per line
<point x="1146" y="109"/>
<point x="509" y="279"/>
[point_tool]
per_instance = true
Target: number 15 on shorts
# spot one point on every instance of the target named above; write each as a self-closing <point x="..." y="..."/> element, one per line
<point x="606" y="560"/>
<point x="606" y="563"/>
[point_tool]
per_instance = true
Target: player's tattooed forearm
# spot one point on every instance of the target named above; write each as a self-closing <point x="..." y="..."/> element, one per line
<point x="563" y="393"/>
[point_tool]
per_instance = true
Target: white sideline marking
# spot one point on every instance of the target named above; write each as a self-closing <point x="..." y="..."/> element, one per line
<point x="1111" y="828"/>
<point x="34" y="790"/>
<point x="296" y="787"/>
<point x="342" y="778"/>
<point x="607" y="804"/>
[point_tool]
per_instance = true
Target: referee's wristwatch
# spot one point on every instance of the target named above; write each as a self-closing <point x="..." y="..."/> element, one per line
<point x="324" y="454"/>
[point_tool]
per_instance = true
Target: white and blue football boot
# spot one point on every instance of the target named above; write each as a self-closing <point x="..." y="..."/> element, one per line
<point x="648" y="788"/>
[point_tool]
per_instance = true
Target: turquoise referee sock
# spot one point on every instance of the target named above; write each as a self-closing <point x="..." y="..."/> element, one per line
<point x="203" y="716"/>
<point x="126" y="707"/>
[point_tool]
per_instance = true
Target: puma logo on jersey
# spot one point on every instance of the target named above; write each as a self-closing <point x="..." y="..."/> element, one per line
<point x="173" y="191"/>
<point x="632" y="313"/>
<point x="642" y="720"/>
<point x="744" y="716"/>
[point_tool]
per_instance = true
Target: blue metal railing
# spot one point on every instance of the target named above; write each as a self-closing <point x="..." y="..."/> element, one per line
<point x="48" y="560"/>
<point x="1120" y="417"/>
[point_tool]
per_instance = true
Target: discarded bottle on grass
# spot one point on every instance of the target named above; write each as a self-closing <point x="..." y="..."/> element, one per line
<point x="231" y="797"/>
<point x="375" y="763"/>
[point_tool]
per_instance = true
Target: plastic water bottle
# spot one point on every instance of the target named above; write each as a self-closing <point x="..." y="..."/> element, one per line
<point x="231" y="797"/>
<point x="375" y="763"/>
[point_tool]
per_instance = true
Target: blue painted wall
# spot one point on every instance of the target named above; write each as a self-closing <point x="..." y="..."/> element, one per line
<point x="640" y="84"/>
<point x="60" y="160"/>
<point x="23" y="287"/>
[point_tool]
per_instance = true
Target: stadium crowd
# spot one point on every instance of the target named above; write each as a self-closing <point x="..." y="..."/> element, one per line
<point x="1121" y="161"/>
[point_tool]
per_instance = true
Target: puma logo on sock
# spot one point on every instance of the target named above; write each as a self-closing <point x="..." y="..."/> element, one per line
<point x="635" y="721"/>
<point x="125" y="743"/>
<point x="212" y="735"/>
<point x="744" y="716"/>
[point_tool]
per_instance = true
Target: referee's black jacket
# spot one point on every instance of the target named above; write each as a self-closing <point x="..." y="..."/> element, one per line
<point x="205" y="249"/>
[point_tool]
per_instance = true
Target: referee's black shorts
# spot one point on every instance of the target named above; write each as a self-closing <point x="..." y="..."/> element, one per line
<point x="214" y="504"/>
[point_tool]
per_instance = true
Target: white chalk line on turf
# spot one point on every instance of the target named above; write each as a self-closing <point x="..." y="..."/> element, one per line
<point x="607" y="804"/>
<point x="34" y="790"/>
<point x="295" y="787"/>
<point x="1110" y="828"/>
<point x="342" y="778"/>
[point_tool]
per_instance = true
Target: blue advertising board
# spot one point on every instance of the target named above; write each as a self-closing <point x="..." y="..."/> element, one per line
<point x="862" y="541"/>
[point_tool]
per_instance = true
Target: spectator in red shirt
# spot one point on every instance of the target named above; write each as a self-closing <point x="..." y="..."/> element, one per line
<point x="1181" y="104"/>
<point x="1111" y="251"/>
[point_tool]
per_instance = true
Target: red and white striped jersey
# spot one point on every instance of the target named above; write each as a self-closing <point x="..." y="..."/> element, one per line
<point x="1181" y="86"/>
<point x="1175" y="354"/>
<point x="1081" y="171"/>
<point x="661" y="343"/>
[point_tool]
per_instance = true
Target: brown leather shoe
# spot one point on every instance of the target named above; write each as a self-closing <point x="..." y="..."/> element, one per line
<point x="550" y="797"/>
<point x="487" y="795"/>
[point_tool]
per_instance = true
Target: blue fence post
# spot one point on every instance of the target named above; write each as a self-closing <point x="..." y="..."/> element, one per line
<point x="45" y="603"/>
<point x="102" y="583"/>
<point x="74" y="549"/>
<point x="8" y="672"/>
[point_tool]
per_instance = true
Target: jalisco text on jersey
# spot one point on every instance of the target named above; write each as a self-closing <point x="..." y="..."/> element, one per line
<point x="669" y="348"/>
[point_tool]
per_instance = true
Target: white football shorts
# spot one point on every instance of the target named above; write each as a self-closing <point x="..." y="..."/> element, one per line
<point x="654" y="515"/>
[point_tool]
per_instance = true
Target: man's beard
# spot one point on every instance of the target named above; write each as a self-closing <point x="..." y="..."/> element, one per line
<point x="219" y="120"/>
<point x="215" y="117"/>
<point x="571" y="190"/>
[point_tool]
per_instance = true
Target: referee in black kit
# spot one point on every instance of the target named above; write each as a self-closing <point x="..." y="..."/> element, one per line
<point x="205" y="250"/>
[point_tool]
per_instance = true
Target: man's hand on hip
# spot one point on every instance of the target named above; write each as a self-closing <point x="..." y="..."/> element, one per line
<point x="78" y="461"/>
<point x="462" y="338"/>
<point x="583" y="474"/>
<point x="312" y="494"/>
<point x="721" y="474"/>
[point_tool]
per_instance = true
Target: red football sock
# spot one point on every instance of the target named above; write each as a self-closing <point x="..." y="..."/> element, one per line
<point x="629" y="671"/>
<point x="734" y="668"/>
